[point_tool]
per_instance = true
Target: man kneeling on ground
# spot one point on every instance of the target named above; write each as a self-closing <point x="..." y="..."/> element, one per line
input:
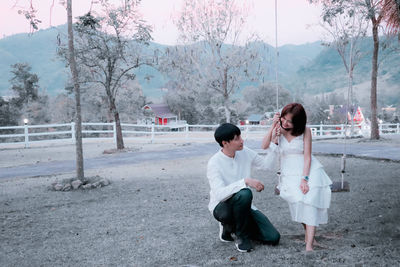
<point x="228" y="173"/>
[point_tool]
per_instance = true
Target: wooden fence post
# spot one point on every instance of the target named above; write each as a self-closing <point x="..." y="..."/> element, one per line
<point x="26" y="135"/>
<point x="152" y="133"/>
<point x="73" y="132"/>
<point x="187" y="132"/>
<point x="320" y="129"/>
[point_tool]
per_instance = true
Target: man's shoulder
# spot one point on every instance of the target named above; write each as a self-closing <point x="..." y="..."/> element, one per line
<point x="214" y="158"/>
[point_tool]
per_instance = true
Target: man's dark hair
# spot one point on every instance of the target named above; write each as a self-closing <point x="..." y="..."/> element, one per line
<point x="226" y="132"/>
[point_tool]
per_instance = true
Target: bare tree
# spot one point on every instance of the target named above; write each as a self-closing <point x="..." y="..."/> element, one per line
<point x="216" y="56"/>
<point x="191" y="102"/>
<point x="130" y="100"/>
<point x="263" y="98"/>
<point x="62" y="108"/>
<point x="375" y="14"/>
<point x="30" y="15"/>
<point x="109" y="48"/>
<point x="371" y="10"/>
<point x="78" y="118"/>
<point x="346" y="29"/>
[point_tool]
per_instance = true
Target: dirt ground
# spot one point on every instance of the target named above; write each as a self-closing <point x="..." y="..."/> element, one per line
<point x="17" y="155"/>
<point x="155" y="214"/>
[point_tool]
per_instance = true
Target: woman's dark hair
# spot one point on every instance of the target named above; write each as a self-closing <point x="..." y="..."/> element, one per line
<point x="299" y="119"/>
<point x="226" y="132"/>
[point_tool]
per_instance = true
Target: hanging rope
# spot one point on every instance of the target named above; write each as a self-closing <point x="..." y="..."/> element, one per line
<point x="277" y="92"/>
<point x="276" y="56"/>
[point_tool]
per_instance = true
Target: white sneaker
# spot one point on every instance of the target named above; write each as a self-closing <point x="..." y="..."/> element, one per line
<point x="224" y="236"/>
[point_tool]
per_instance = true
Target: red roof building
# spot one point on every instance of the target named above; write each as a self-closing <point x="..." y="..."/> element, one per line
<point x="162" y="115"/>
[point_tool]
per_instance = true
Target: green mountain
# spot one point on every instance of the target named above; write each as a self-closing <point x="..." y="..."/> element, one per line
<point x="40" y="51"/>
<point x="326" y="73"/>
<point x="303" y="69"/>
<point x="290" y="59"/>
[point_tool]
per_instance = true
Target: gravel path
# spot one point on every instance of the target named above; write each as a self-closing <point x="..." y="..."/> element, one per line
<point x="57" y="163"/>
<point x="155" y="214"/>
<point x="388" y="148"/>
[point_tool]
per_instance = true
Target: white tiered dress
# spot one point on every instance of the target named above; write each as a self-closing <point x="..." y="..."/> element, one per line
<point x="310" y="208"/>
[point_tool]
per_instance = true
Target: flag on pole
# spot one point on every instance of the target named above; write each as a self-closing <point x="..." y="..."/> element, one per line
<point x="358" y="117"/>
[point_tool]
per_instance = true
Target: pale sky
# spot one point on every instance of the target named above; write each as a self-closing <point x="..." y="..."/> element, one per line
<point x="294" y="18"/>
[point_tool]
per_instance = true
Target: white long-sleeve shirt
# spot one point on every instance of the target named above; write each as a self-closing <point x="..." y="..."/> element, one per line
<point x="226" y="175"/>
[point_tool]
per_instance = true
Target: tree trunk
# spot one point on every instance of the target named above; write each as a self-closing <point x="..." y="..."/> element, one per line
<point x="350" y="102"/>
<point x="227" y="111"/>
<point x="226" y="96"/>
<point x="78" y="118"/>
<point x="350" y="92"/>
<point x="374" y="74"/>
<point x="120" y="140"/>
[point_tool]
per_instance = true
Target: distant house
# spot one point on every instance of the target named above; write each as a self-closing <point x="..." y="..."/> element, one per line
<point x="254" y="119"/>
<point x="258" y="119"/>
<point x="341" y="111"/>
<point x="161" y="114"/>
<point x="389" y="109"/>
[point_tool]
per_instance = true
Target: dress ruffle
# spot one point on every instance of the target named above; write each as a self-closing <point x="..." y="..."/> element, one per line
<point x="319" y="194"/>
<point x="310" y="208"/>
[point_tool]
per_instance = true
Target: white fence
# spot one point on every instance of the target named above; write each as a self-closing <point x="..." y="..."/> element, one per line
<point x="158" y="133"/>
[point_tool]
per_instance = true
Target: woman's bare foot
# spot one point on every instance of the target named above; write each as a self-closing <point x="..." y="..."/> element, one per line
<point x="310" y="233"/>
<point x="317" y="244"/>
<point x="309" y="247"/>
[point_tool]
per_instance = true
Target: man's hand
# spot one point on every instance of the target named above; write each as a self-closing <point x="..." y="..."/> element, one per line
<point x="257" y="185"/>
<point x="304" y="186"/>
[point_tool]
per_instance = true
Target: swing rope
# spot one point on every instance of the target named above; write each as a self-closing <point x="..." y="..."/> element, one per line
<point x="277" y="91"/>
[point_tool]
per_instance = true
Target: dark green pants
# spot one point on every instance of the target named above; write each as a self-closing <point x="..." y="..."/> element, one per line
<point x="236" y="214"/>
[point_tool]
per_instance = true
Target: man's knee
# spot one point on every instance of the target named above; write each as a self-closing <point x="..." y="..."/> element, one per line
<point x="275" y="237"/>
<point x="222" y="214"/>
<point x="244" y="196"/>
<point x="270" y="239"/>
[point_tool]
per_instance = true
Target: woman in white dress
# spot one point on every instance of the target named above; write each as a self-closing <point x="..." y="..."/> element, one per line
<point x="304" y="183"/>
